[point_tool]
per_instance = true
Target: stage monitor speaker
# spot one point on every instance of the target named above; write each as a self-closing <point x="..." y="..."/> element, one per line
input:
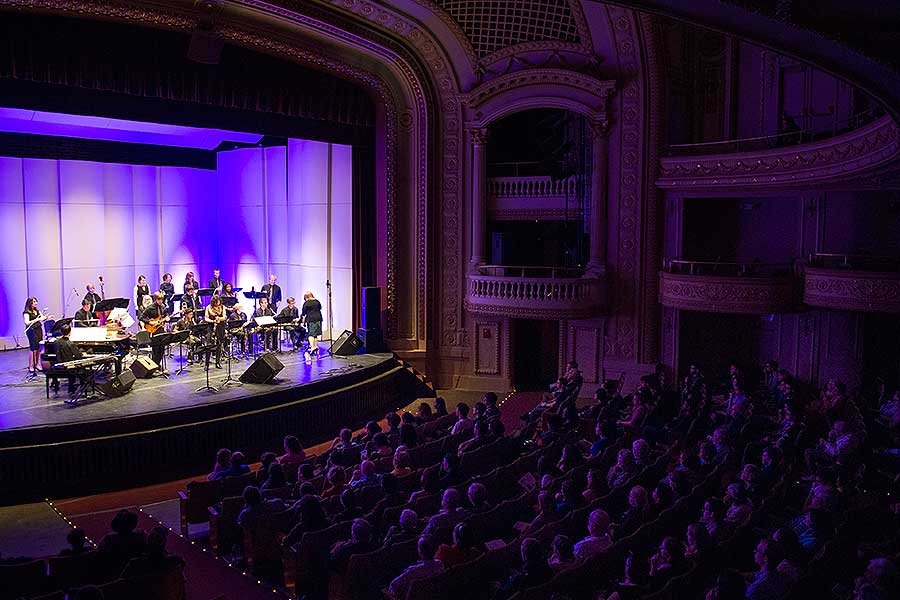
<point x="346" y="345"/>
<point x="371" y="308"/>
<point x="263" y="370"/>
<point x="372" y="340"/>
<point x="144" y="367"/>
<point x="118" y="385"/>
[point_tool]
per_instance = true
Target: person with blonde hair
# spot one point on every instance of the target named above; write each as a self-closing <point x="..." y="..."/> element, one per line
<point x="312" y="317"/>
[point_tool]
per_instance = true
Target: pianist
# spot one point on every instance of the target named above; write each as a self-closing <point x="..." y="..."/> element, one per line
<point x="84" y="317"/>
<point x="66" y="351"/>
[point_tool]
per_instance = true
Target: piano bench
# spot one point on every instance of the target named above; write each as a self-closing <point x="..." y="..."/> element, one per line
<point x="55" y="375"/>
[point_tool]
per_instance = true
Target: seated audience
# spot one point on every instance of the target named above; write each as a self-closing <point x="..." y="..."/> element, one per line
<point x="426" y="567"/>
<point x="570" y="458"/>
<point x="125" y="542"/>
<point x="698" y="544"/>
<point x="478" y="501"/>
<point x="491" y="411"/>
<point x="310" y="516"/>
<point x="767" y="583"/>
<point x="255" y="506"/>
<point x="713" y="517"/>
<point x="569" y="498"/>
<point x="463" y="423"/>
<point x="482" y="437"/>
<point x="401" y="464"/>
<point x="440" y="407"/>
<point x="598" y="539"/>
<point x="367" y="476"/>
<point x="409" y="439"/>
<point x="463" y="549"/>
<point x="276" y="479"/>
<point x="450" y="514"/>
<point x="595" y="486"/>
<point x="265" y="461"/>
<point x="791" y="566"/>
<point x="77" y="540"/>
<point x="155" y="560"/>
<point x="534" y="571"/>
<point x="336" y="482"/>
<point x="344" y="452"/>
<point x="668" y="562"/>
<point x="739" y="505"/>
<point x="636" y="514"/>
<point x="407" y="529"/>
<point x="361" y="541"/>
<point x="223" y="463"/>
<point x="237" y="467"/>
<point x="546" y="510"/>
<point x="622" y="471"/>
<point x="562" y="554"/>
<point x="293" y="452"/>
<point x="424" y="414"/>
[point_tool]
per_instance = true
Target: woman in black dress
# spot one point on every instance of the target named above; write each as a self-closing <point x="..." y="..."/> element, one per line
<point x="141" y="291"/>
<point x="312" y="316"/>
<point x="34" y="330"/>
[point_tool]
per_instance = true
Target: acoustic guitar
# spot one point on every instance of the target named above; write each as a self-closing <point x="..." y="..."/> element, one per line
<point x="154" y="325"/>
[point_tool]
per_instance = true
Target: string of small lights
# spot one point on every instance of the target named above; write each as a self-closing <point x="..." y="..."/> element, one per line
<point x="66" y="519"/>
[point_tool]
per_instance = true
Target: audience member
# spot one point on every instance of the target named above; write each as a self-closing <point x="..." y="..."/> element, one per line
<point x="401" y="464"/>
<point x="463" y="549"/>
<point x="360" y="542"/>
<point x="155" y="559"/>
<point x="255" y="507"/>
<point x="237" y="467"/>
<point x="426" y="567"/>
<point x="223" y="463"/>
<point x="535" y="570"/>
<point x="622" y="471"/>
<point x="598" y="539"/>
<point x="336" y="482"/>
<point x="310" y="516"/>
<point x="276" y="480"/>
<point x="562" y="555"/>
<point x="77" y="541"/>
<point x="478" y="501"/>
<point x="482" y="437"/>
<point x="407" y="529"/>
<point x="125" y="542"/>
<point x="265" y="461"/>
<point x="463" y="423"/>
<point x="767" y="583"/>
<point x="293" y="452"/>
<point x="450" y="514"/>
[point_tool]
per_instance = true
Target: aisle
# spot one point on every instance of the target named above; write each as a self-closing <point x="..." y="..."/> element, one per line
<point x="207" y="576"/>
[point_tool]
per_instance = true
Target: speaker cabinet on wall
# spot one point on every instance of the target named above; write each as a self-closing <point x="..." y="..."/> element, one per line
<point x="346" y="345"/>
<point x="263" y="370"/>
<point x="144" y="367"/>
<point x="371" y="308"/>
<point x="119" y="385"/>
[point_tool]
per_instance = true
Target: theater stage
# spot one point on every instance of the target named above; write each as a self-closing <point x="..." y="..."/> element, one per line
<point x="163" y="429"/>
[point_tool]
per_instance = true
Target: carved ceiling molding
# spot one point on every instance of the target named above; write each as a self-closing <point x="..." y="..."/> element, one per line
<point x="545" y="87"/>
<point x="734" y="295"/>
<point x="842" y="157"/>
<point x="852" y="290"/>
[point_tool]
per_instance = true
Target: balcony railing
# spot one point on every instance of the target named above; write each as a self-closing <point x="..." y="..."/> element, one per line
<point x="730" y="286"/>
<point x="530" y="187"/>
<point x="853" y="282"/>
<point x="538" y="197"/>
<point x="524" y="271"/>
<point x="560" y="294"/>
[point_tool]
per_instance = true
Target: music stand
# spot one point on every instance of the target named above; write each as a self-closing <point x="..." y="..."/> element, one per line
<point x="264" y="325"/>
<point x="112" y="303"/>
<point x="58" y="325"/>
<point x="163" y="339"/>
<point x="207" y="349"/>
<point x="282" y="322"/>
<point x="205" y="293"/>
<point x="200" y="330"/>
<point x="254" y="295"/>
<point x="180" y="337"/>
<point x="229" y="301"/>
<point x="229" y="327"/>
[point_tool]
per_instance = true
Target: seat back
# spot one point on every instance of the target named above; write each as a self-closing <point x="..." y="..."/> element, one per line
<point x="72" y="571"/>
<point x="200" y="495"/>
<point x="23" y="579"/>
<point x="234" y="486"/>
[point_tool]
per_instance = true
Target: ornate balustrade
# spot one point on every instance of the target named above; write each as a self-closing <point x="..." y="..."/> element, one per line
<point x="535" y="297"/>
<point x="841" y="157"/>
<point x="534" y="197"/>
<point x="853" y="282"/>
<point x="744" y="287"/>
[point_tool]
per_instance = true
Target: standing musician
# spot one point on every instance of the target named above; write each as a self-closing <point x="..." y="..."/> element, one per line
<point x="238" y="316"/>
<point x="168" y="289"/>
<point x="273" y="292"/>
<point x="216" y="282"/>
<point x="264" y="310"/>
<point x="84" y="317"/>
<point x="190" y="301"/>
<point x="141" y="290"/>
<point x="66" y="351"/>
<point x="312" y="316"/>
<point x="295" y="331"/>
<point x="228" y="291"/>
<point x="153" y="318"/>
<point x="215" y="313"/>
<point x="34" y="329"/>
<point x="189" y="281"/>
<point x="92" y="296"/>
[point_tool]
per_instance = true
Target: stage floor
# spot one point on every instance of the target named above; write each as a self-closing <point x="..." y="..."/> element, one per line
<point x="25" y="405"/>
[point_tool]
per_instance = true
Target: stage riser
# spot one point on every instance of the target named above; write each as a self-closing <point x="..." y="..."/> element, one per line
<point x="153" y="456"/>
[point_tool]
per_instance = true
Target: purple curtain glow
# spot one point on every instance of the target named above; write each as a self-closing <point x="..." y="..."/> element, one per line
<point x="264" y="210"/>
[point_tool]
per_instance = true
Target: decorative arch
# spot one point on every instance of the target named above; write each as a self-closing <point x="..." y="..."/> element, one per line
<point x="538" y="88"/>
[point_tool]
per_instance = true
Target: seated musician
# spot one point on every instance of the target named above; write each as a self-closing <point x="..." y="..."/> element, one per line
<point x="184" y="324"/>
<point x="295" y="331"/>
<point x="265" y="311"/>
<point x="66" y="351"/>
<point x="153" y="317"/>
<point x="83" y="316"/>
<point x="236" y="317"/>
<point x="190" y="301"/>
<point x="215" y="313"/>
<point x="228" y="291"/>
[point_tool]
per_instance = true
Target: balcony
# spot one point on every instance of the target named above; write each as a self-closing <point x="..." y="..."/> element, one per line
<point x="853" y="282"/>
<point x="535" y="197"/>
<point x="535" y="293"/>
<point x="846" y="156"/>
<point x="736" y="287"/>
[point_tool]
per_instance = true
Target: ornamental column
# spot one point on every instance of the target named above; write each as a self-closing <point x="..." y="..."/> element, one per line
<point x="599" y="180"/>
<point x="478" y="217"/>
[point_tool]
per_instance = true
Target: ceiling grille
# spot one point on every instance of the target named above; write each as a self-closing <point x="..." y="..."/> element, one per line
<point x="492" y="25"/>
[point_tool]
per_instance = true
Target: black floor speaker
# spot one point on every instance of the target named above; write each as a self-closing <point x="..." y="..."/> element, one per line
<point x="263" y="370"/>
<point x="144" y="367"/>
<point x="118" y="385"/>
<point x="346" y="345"/>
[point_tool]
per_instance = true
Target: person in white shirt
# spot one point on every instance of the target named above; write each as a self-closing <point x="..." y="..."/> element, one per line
<point x="598" y="539"/>
<point x="463" y="423"/>
<point x="426" y="567"/>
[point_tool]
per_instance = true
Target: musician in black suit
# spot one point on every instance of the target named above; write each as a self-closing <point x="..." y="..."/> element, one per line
<point x="273" y="292"/>
<point x="264" y="310"/>
<point x="92" y="296"/>
<point x="294" y="329"/>
<point x="168" y="289"/>
<point x="83" y="316"/>
<point x="158" y="313"/>
<point x="66" y="351"/>
<point x="191" y="302"/>
<point x="216" y="282"/>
